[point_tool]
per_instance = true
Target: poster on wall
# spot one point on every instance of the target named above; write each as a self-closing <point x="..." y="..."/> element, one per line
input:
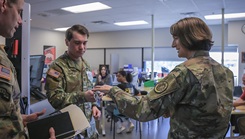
<point x="243" y="57"/>
<point x="50" y="54"/>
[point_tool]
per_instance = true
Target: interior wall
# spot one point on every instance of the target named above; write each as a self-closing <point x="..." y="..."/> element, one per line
<point x="39" y="38"/>
<point x="131" y="38"/>
<point x="237" y="37"/>
<point x="142" y="38"/>
<point x="94" y="57"/>
<point x="114" y="39"/>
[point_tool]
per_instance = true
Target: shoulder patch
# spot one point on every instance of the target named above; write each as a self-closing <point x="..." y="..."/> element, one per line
<point x="5" y="72"/>
<point x="53" y="73"/>
<point x="4" y="94"/>
<point x="161" y="87"/>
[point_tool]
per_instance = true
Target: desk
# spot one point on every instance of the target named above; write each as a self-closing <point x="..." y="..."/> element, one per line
<point x="104" y="100"/>
<point x="239" y="110"/>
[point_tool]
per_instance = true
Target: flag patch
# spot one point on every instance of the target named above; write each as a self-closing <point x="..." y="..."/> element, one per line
<point x="5" y="72"/>
<point x="53" y="73"/>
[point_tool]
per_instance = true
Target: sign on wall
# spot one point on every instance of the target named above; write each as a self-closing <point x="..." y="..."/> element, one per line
<point x="49" y="52"/>
<point x="50" y="56"/>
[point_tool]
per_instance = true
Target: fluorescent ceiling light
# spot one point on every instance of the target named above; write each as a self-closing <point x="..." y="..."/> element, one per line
<point x="61" y="29"/>
<point x="131" y="23"/>
<point x="226" y="16"/>
<point x="86" y="7"/>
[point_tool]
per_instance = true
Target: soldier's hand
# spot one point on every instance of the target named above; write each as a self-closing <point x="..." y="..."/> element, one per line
<point x="103" y="88"/>
<point x="99" y="78"/>
<point x="96" y="112"/>
<point x="52" y="133"/>
<point x="32" y="117"/>
<point x="89" y="95"/>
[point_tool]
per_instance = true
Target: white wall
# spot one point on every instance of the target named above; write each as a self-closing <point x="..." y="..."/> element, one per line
<point x="39" y="38"/>
<point x="142" y="38"/>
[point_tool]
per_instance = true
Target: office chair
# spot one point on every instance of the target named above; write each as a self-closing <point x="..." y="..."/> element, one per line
<point x="113" y="115"/>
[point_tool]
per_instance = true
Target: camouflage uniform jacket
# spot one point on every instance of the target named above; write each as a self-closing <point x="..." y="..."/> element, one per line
<point x="197" y="95"/>
<point x="11" y="125"/>
<point x="66" y="83"/>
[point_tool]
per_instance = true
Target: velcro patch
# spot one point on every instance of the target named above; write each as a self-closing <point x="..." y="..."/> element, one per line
<point x="4" y="94"/>
<point x="53" y="73"/>
<point x="5" y="72"/>
<point x="161" y="87"/>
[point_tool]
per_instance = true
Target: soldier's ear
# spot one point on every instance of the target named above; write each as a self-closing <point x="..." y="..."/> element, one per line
<point x="67" y="42"/>
<point x="3" y="5"/>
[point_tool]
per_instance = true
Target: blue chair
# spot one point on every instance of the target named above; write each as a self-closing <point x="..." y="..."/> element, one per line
<point x="113" y="115"/>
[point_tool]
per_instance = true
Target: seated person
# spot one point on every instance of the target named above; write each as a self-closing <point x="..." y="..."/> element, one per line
<point x="125" y="80"/>
<point x="238" y="102"/>
<point x="103" y="77"/>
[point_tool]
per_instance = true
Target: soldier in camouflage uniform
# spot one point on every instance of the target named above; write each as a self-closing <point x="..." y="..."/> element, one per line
<point x="196" y="95"/>
<point x="69" y="79"/>
<point x="11" y="120"/>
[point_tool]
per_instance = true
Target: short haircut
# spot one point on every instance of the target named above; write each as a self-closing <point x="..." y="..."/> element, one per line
<point x="128" y="75"/>
<point x="193" y="33"/>
<point x="9" y="2"/>
<point x="78" y="28"/>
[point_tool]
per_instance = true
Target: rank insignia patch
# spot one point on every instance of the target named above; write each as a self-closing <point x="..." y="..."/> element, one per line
<point x="53" y="73"/>
<point x="161" y="87"/>
<point x="5" y="72"/>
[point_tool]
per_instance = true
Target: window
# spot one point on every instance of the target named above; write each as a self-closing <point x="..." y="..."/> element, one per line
<point x="230" y="60"/>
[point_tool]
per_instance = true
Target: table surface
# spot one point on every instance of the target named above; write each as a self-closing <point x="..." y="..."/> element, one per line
<point x="239" y="110"/>
<point x="106" y="98"/>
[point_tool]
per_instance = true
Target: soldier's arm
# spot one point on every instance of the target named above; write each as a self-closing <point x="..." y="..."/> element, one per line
<point x="10" y="117"/>
<point x="55" y="84"/>
<point x="160" y="101"/>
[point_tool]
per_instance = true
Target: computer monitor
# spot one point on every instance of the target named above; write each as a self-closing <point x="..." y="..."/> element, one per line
<point x="36" y="70"/>
<point x="237" y="91"/>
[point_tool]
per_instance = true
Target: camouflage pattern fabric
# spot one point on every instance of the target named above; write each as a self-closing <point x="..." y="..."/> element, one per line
<point x="66" y="82"/>
<point x="196" y="95"/>
<point x="11" y="125"/>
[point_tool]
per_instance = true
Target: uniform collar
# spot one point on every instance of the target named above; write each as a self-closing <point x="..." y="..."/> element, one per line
<point x="200" y="53"/>
<point x="2" y="49"/>
<point x="73" y="63"/>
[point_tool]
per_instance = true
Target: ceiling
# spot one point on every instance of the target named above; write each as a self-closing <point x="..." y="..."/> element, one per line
<point x="46" y="14"/>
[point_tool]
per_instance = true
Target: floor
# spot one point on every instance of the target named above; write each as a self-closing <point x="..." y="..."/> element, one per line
<point x="156" y="129"/>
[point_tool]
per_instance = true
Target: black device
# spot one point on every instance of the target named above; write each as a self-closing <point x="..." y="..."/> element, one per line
<point x="237" y="91"/>
<point x="36" y="74"/>
<point x="61" y="122"/>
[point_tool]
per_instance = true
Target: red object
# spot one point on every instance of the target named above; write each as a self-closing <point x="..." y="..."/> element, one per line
<point x="15" y="48"/>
